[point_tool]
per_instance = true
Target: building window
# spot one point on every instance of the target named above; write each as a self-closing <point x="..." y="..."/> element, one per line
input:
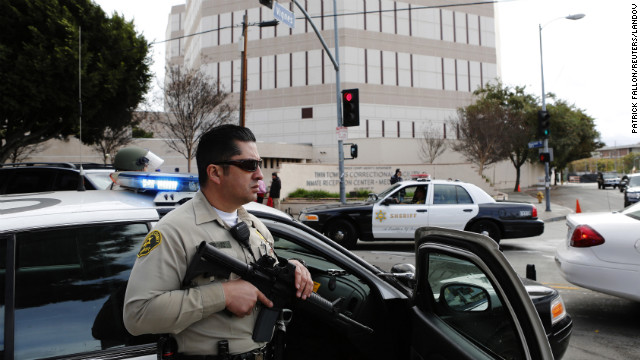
<point x="307" y="113"/>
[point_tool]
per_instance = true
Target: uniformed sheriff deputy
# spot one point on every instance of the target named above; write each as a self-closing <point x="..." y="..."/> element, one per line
<point x="228" y="169"/>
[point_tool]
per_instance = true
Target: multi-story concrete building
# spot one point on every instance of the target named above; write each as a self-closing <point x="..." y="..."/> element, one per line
<point x="414" y="63"/>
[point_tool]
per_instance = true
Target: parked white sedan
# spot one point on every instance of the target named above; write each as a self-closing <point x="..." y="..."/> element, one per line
<point x="602" y="252"/>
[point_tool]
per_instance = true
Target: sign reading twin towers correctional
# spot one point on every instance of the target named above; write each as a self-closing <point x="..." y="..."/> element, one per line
<point x="281" y="13"/>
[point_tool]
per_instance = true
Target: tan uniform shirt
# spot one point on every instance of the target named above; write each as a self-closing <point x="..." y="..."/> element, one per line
<point x="154" y="302"/>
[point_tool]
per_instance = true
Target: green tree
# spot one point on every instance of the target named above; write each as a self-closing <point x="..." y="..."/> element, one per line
<point x="39" y="54"/>
<point x="518" y="124"/>
<point x="573" y="135"/>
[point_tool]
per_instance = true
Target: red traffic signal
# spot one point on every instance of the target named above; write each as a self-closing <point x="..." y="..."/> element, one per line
<point x="350" y="108"/>
<point x="545" y="157"/>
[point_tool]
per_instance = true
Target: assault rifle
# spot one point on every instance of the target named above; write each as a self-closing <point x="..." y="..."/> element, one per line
<point x="274" y="278"/>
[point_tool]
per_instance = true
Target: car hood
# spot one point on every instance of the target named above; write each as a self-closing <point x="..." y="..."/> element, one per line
<point x="633" y="189"/>
<point x="337" y="206"/>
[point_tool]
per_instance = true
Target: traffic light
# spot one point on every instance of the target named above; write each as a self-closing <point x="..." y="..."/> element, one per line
<point x="267" y="3"/>
<point x="350" y="108"/>
<point x="545" y="157"/>
<point x="354" y="150"/>
<point x="543" y="124"/>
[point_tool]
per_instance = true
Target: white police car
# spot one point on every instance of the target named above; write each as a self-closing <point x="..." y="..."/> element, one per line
<point x="397" y="212"/>
<point x="65" y="259"/>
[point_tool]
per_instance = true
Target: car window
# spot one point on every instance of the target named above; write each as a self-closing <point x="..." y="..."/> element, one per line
<point x="69" y="289"/>
<point x="450" y="194"/>
<point x="100" y="179"/>
<point x="411" y="195"/>
<point x="634" y="181"/>
<point x="67" y="181"/>
<point x="28" y="181"/>
<point x="466" y="300"/>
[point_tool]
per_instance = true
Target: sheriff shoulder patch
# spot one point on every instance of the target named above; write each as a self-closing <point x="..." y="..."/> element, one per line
<point x="150" y="242"/>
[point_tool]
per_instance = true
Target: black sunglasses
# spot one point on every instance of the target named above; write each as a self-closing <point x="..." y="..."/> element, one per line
<point x="250" y="165"/>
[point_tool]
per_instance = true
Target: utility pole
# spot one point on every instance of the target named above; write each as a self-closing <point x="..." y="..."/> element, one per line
<point x="243" y="81"/>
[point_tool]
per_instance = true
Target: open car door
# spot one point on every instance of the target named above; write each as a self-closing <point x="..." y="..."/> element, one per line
<point x="470" y="301"/>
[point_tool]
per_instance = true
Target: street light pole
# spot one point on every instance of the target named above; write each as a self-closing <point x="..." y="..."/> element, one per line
<point x="547" y="179"/>
<point x="243" y="80"/>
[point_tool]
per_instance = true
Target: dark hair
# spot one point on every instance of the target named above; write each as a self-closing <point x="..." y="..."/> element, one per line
<point x="397" y="171"/>
<point x="220" y="144"/>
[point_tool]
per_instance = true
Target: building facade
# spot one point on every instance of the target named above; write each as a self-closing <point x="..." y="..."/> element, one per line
<point x="414" y="63"/>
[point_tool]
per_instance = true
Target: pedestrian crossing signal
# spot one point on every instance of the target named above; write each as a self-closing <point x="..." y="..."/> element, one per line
<point x="545" y="157"/>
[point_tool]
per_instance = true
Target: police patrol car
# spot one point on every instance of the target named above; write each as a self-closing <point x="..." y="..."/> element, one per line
<point x="397" y="212"/>
<point x="66" y="258"/>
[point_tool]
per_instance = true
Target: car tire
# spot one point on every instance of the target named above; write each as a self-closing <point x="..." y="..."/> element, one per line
<point x="342" y="232"/>
<point x="488" y="228"/>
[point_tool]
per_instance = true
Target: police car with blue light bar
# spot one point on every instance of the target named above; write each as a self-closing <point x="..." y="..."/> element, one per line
<point x="66" y="258"/>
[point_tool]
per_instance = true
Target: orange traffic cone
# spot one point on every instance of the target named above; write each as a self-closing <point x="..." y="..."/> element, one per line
<point x="518" y="187"/>
<point x="578" y="210"/>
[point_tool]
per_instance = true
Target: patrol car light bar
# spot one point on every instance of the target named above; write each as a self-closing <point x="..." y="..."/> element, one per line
<point x="158" y="181"/>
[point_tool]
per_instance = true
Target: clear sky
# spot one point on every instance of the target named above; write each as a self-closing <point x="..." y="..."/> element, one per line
<point x="587" y="62"/>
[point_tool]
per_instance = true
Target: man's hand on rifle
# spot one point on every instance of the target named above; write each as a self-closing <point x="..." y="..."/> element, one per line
<point x="303" y="281"/>
<point x="241" y="297"/>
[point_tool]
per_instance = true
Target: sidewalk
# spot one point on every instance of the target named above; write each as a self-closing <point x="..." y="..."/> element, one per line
<point x="557" y="213"/>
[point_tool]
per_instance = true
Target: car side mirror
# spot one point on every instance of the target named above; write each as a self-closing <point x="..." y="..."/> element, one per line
<point x="405" y="273"/>
<point x="460" y="297"/>
<point x="389" y="201"/>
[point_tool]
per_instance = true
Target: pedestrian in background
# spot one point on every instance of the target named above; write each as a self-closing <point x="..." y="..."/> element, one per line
<point x="397" y="177"/>
<point x="274" y="190"/>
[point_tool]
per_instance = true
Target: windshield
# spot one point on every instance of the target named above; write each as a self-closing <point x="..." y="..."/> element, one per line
<point x="101" y="180"/>
<point x="383" y="194"/>
<point x="633" y="211"/>
<point x="634" y="181"/>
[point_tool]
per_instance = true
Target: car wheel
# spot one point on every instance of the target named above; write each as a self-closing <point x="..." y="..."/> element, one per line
<point x="488" y="228"/>
<point x="342" y="232"/>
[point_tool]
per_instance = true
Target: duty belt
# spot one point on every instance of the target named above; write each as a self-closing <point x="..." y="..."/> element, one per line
<point x="257" y="354"/>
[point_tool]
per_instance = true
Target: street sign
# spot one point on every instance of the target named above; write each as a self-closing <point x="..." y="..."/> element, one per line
<point x="342" y="133"/>
<point x="535" y="144"/>
<point x="283" y="14"/>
